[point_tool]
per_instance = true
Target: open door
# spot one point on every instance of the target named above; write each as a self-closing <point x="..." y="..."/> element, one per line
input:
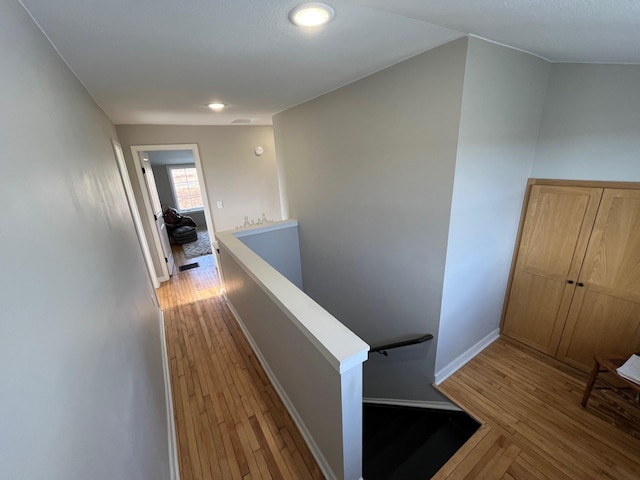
<point x="156" y="208"/>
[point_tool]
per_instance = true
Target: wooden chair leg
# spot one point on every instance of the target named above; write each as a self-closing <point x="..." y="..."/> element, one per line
<point x="590" y="383"/>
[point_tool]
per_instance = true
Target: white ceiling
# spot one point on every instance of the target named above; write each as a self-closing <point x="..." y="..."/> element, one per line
<point x="585" y="31"/>
<point x="162" y="61"/>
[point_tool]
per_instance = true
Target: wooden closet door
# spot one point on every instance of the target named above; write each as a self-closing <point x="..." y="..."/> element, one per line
<point x="556" y="230"/>
<point x="605" y="312"/>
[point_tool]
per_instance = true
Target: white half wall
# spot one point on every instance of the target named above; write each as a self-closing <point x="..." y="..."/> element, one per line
<point x="82" y="392"/>
<point x="313" y="361"/>
<point x="591" y="124"/>
<point x="502" y="103"/>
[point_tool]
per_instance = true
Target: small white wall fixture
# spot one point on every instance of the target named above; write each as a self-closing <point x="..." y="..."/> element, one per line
<point x="136" y="150"/>
<point x="313" y="361"/>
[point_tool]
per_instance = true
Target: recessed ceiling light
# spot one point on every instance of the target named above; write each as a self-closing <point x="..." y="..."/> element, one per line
<point x="216" y="106"/>
<point x="312" y="14"/>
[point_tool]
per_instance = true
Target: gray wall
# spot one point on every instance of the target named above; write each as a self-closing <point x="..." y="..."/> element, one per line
<point x="591" y="124"/>
<point x="368" y="171"/>
<point x="82" y="392"/>
<point x="247" y="184"/>
<point x="501" y="112"/>
<point x="163" y="184"/>
<point x="279" y="248"/>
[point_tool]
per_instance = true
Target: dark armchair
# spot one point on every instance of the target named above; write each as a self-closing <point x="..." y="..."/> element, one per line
<point x="181" y="229"/>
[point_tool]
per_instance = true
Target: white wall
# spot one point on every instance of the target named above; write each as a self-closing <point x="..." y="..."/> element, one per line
<point x="247" y="184"/>
<point x="501" y="112"/>
<point x="368" y="171"/>
<point x="82" y="390"/>
<point x="591" y="124"/>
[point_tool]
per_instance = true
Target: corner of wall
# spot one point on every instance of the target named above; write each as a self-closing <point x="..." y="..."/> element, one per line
<point x="280" y="170"/>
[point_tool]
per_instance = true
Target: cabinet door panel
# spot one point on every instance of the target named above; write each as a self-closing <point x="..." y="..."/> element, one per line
<point x="557" y="226"/>
<point x="605" y="314"/>
<point x="528" y="316"/>
<point x="599" y="324"/>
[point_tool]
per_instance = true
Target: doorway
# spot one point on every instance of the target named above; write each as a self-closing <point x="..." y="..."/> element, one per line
<point x="176" y="205"/>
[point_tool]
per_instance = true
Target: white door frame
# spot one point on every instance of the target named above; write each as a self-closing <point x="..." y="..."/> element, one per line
<point x="135" y="153"/>
<point x="135" y="214"/>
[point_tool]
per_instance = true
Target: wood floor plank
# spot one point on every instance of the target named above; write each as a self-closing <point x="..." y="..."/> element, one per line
<point x="567" y="423"/>
<point x="533" y="400"/>
<point x="230" y="423"/>
<point x="462" y="453"/>
<point x="537" y="466"/>
<point x="541" y="419"/>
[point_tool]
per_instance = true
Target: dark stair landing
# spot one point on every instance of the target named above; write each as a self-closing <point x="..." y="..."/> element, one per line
<point x="403" y="443"/>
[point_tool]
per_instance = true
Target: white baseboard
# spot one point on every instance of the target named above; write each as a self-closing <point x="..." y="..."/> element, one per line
<point x="164" y="278"/>
<point x="413" y="403"/>
<point x="313" y="447"/>
<point x="462" y="359"/>
<point x="174" y="466"/>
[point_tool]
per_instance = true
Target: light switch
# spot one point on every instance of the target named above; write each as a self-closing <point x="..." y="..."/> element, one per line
<point x="220" y="204"/>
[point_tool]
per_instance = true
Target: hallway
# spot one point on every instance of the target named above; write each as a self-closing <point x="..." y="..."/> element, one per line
<point x="230" y="423"/>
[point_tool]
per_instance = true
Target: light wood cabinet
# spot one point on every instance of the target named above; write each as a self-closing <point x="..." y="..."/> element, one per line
<point x="575" y="287"/>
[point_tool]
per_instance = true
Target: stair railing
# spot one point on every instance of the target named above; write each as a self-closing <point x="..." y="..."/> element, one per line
<point x="382" y="349"/>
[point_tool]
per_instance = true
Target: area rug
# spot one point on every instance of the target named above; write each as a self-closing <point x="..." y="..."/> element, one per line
<point x="202" y="246"/>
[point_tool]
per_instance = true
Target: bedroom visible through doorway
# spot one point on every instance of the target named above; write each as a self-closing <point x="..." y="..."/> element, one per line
<point x="178" y="187"/>
<point x="177" y="203"/>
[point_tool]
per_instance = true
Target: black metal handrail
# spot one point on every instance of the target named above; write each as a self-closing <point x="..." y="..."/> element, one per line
<point x="382" y="349"/>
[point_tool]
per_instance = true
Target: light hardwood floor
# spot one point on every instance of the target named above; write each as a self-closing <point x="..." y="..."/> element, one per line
<point x="534" y="426"/>
<point x="230" y="422"/>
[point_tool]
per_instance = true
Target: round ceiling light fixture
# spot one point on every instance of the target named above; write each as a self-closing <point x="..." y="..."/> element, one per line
<point x="216" y="107"/>
<point x="312" y="14"/>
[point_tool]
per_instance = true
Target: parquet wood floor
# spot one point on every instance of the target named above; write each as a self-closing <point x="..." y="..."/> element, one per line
<point x="229" y="420"/>
<point x="534" y="426"/>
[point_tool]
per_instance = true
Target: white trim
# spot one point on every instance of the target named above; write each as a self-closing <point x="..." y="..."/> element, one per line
<point x="148" y="209"/>
<point x="350" y="81"/>
<point x="413" y="403"/>
<point x="339" y="345"/>
<point x="264" y="228"/>
<point x="511" y="47"/>
<point x="171" y="427"/>
<point x="463" y="358"/>
<point x="135" y="214"/>
<point x="174" y="193"/>
<point x="578" y="62"/>
<point x="313" y="447"/>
